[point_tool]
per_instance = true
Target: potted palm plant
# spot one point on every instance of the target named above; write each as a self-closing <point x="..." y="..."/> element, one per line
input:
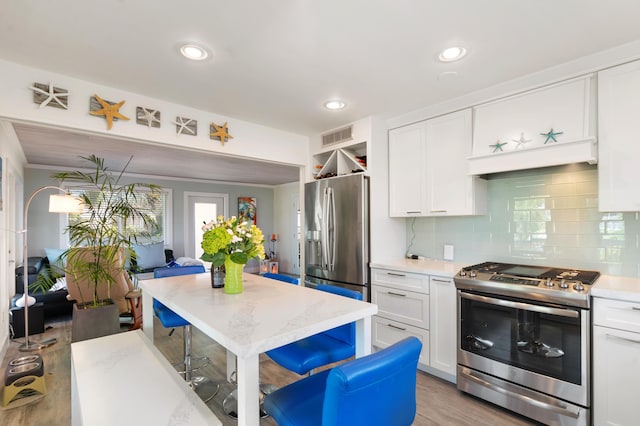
<point x="100" y="240"/>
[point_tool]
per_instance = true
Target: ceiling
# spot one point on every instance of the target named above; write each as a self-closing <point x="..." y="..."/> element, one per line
<point x="274" y="62"/>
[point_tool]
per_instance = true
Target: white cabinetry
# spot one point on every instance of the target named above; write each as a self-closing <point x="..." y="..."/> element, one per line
<point x="523" y="121"/>
<point x="616" y="362"/>
<point x="619" y="137"/>
<point x="428" y="173"/>
<point x="407" y="171"/>
<point x="419" y="305"/>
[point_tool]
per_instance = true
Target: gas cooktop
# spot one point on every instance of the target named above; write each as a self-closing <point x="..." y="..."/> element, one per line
<point x="546" y="284"/>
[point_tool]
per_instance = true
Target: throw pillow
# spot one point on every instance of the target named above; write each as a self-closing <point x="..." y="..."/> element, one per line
<point x="54" y="257"/>
<point x="149" y="256"/>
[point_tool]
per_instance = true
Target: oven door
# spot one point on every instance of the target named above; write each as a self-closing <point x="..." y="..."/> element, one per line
<point x="542" y="347"/>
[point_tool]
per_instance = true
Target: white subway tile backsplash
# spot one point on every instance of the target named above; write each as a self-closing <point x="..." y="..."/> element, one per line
<point x="547" y="217"/>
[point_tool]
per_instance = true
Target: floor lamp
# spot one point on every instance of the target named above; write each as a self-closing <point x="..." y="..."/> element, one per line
<point x="66" y="203"/>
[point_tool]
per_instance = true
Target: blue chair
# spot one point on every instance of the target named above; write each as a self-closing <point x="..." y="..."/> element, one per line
<point x="320" y="349"/>
<point x="205" y="389"/>
<point x="375" y="390"/>
<point x="284" y="278"/>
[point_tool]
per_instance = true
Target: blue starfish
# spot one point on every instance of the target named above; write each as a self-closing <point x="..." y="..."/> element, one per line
<point x="551" y="135"/>
<point x="498" y="146"/>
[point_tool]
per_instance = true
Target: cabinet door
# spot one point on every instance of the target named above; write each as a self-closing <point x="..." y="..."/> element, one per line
<point x="442" y="327"/>
<point x="616" y="376"/>
<point x="451" y="190"/>
<point x="619" y="137"/>
<point x="386" y="332"/>
<point x="405" y="306"/>
<point x="407" y="177"/>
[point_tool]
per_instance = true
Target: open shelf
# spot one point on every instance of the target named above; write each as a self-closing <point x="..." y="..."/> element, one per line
<point x="341" y="161"/>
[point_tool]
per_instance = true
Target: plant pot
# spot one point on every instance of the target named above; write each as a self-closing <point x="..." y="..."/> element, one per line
<point x="89" y="322"/>
<point x="232" y="276"/>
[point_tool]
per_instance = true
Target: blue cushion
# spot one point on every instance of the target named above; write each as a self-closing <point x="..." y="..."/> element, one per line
<point x="54" y="257"/>
<point x="167" y="317"/>
<point x="314" y="351"/>
<point x="347" y="332"/>
<point x="149" y="256"/>
<point x="300" y="403"/>
<point x="177" y="270"/>
<point x="283" y="278"/>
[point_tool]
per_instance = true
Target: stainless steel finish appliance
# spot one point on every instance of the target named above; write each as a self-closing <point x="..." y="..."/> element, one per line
<point x="524" y="339"/>
<point x="337" y="232"/>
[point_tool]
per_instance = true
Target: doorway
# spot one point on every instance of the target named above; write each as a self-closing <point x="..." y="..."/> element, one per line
<point x="200" y="208"/>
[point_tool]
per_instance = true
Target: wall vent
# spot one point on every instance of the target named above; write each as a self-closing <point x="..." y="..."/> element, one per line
<point x="341" y="135"/>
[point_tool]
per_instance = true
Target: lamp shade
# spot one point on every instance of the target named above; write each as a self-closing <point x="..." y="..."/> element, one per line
<point x="65" y="204"/>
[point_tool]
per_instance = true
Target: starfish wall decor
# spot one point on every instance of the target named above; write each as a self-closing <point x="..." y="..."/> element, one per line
<point x="148" y="117"/>
<point x="521" y="142"/>
<point x="187" y="126"/>
<point x="551" y="135"/>
<point x="221" y="133"/>
<point x="110" y="111"/>
<point x="47" y="95"/>
<point x="498" y="146"/>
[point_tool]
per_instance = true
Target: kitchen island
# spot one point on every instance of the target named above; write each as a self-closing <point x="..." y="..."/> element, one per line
<point x="266" y="315"/>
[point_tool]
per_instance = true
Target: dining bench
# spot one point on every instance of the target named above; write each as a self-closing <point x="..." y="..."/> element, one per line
<point x="124" y="379"/>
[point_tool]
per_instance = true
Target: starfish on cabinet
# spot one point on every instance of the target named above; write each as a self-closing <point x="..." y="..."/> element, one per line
<point x="521" y="142"/>
<point x="551" y="135"/>
<point x="148" y="115"/>
<point x="498" y="146"/>
<point x="51" y="95"/>
<point x="221" y="132"/>
<point x="110" y="112"/>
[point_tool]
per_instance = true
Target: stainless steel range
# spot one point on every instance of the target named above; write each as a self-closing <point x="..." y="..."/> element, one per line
<point x="524" y="339"/>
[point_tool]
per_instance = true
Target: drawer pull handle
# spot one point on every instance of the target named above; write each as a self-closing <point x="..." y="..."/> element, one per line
<point x="396" y="327"/>
<point x="396" y="294"/>
<point x="441" y="281"/>
<point x="623" y="338"/>
<point x="396" y="275"/>
<point x="415" y="212"/>
<point x="635" y="308"/>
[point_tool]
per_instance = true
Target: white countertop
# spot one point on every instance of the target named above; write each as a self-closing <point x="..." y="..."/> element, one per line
<point x="607" y="286"/>
<point x="123" y="379"/>
<point x="442" y="268"/>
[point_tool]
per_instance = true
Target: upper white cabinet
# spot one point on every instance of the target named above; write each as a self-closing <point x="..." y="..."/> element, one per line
<point x="619" y="137"/>
<point x="428" y="173"/>
<point x="518" y="132"/>
<point x="407" y="171"/>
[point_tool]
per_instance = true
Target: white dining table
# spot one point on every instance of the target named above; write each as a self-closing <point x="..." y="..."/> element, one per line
<point x="266" y="315"/>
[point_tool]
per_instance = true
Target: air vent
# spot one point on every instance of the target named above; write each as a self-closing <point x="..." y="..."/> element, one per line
<point x="337" y="136"/>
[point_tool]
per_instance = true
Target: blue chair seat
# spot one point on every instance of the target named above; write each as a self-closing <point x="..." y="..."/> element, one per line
<point x="283" y="278"/>
<point x="167" y="317"/>
<point x="375" y="390"/>
<point x="304" y="355"/>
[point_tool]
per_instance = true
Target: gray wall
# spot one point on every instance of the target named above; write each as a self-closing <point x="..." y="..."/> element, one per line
<point x="45" y="228"/>
<point x="543" y="217"/>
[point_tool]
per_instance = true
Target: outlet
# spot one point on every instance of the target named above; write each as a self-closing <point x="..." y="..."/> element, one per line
<point x="448" y="252"/>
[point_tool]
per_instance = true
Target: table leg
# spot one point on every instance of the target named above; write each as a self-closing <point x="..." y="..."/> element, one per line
<point x="363" y="337"/>
<point x="231" y="366"/>
<point x="248" y="391"/>
<point x="147" y="315"/>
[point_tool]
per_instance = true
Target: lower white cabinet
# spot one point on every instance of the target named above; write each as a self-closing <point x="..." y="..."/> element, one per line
<point x="419" y="305"/>
<point x="616" y="362"/>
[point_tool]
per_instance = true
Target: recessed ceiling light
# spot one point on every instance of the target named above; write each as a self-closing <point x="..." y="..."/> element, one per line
<point x="193" y="52"/>
<point x="451" y="54"/>
<point x="335" y="104"/>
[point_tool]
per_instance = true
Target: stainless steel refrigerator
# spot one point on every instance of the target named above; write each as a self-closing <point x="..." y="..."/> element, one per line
<point x="337" y="232"/>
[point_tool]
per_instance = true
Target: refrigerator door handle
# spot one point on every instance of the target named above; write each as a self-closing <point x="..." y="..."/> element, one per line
<point x="331" y="230"/>
<point x="324" y="234"/>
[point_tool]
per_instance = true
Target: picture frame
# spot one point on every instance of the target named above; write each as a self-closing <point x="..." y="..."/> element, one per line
<point x="248" y="209"/>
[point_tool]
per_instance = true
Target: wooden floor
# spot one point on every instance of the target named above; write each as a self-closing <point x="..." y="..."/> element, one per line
<point x="439" y="403"/>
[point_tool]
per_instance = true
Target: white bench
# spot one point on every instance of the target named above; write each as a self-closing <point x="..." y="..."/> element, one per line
<point x="123" y="379"/>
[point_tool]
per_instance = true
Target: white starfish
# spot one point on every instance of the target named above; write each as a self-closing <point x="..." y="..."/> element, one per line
<point x="183" y="125"/>
<point x="149" y="116"/>
<point x="52" y="95"/>
<point x="520" y="142"/>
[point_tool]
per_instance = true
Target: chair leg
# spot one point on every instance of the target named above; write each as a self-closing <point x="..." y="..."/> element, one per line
<point x="204" y="387"/>
<point x="136" y="313"/>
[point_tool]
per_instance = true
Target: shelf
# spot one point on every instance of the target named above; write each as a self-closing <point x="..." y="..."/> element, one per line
<point x="341" y="161"/>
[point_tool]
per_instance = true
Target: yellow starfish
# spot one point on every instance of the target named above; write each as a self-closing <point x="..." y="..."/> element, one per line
<point x="221" y="132"/>
<point x="109" y="111"/>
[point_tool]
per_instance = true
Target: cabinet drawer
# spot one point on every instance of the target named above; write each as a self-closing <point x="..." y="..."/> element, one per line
<point x="616" y="314"/>
<point x="400" y="280"/>
<point x="386" y="332"/>
<point x="405" y="306"/>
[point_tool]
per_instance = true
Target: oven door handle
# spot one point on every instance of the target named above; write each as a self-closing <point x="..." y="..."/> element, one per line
<point x="561" y="409"/>
<point x="570" y="313"/>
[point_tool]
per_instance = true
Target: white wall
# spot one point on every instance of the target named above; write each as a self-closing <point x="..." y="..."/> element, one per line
<point x="13" y="162"/>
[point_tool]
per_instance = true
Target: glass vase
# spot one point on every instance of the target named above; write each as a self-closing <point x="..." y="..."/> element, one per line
<point x="233" y="276"/>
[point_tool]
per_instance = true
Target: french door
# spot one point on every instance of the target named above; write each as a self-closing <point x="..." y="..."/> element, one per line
<point x="200" y="208"/>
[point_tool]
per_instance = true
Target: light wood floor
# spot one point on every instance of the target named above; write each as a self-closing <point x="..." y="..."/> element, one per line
<point x="439" y="403"/>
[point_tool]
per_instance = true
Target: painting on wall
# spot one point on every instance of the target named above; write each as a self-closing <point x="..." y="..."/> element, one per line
<point x="247" y="209"/>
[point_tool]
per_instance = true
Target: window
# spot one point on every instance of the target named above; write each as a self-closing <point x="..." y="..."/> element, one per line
<point x="158" y="206"/>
